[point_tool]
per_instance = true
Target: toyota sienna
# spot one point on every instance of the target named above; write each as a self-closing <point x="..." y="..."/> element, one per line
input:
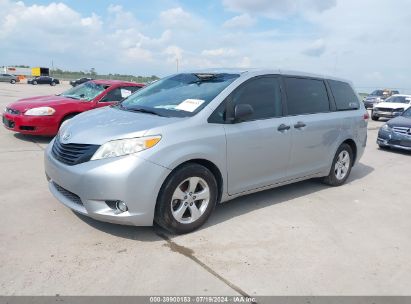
<point x="174" y="149"/>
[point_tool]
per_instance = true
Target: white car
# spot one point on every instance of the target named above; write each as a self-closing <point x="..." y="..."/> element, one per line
<point x="391" y="107"/>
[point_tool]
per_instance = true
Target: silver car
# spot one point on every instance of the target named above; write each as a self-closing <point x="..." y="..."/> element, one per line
<point x="170" y="152"/>
<point x="9" y="78"/>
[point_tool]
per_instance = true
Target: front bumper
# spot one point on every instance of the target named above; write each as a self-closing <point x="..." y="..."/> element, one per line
<point x="386" y="114"/>
<point x="88" y="188"/>
<point x="394" y="140"/>
<point x="35" y="125"/>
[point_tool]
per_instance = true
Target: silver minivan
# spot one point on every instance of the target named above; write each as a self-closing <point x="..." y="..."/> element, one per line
<point x="174" y="149"/>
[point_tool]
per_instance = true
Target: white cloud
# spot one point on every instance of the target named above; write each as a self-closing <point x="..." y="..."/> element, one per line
<point x="179" y="19"/>
<point x="221" y="52"/>
<point x="240" y="21"/>
<point x="347" y="38"/>
<point x="316" y="48"/>
<point x="278" y="8"/>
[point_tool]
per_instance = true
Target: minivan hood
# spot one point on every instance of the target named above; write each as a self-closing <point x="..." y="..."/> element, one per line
<point x="392" y="105"/>
<point x="41" y="101"/>
<point x="102" y="125"/>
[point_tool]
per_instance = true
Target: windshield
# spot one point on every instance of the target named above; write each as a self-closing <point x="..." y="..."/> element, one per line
<point x="86" y="91"/>
<point x="179" y="95"/>
<point x="377" y="93"/>
<point x="399" y="99"/>
<point x="407" y="113"/>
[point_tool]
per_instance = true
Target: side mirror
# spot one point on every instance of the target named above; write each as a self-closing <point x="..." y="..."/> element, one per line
<point x="242" y="111"/>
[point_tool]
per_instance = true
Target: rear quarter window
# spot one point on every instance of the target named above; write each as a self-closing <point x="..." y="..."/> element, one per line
<point x="344" y="96"/>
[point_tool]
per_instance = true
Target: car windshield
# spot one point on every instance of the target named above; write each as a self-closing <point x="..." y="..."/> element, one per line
<point x="377" y="93"/>
<point x="399" y="99"/>
<point x="407" y="113"/>
<point x="86" y="91"/>
<point x="178" y="95"/>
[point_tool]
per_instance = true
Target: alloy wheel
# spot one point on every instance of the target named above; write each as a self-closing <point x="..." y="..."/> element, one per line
<point x="342" y="165"/>
<point x="190" y="200"/>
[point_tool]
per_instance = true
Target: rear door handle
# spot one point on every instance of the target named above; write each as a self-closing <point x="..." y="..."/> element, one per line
<point x="299" y="125"/>
<point x="283" y="127"/>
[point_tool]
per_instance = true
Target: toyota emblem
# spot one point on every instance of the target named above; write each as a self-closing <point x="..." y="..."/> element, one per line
<point x="66" y="136"/>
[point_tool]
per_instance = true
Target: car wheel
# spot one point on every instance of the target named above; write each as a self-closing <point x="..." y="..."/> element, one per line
<point x="34" y="82"/>
<point x="13" y="81"/>
<point x="186" y="199"/>
<point x="374" y="117"/>
<point x="52" y="83"/>
<point x="341" y="166"/>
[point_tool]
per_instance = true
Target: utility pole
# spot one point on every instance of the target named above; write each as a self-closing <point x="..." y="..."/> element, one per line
<point x="177" y="64"/>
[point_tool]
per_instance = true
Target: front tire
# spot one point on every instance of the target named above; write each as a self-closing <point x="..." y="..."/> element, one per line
<point x="374" y="117"/>
<point x="341" y="166"/>
<point x="52" y="83"/>
<point x="34" y="82"/>
<point x="186" y="199"/>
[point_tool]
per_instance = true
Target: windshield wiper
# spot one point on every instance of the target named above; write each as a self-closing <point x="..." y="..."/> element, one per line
<point x="71" y="96"/>
<point x="142" y="110"/>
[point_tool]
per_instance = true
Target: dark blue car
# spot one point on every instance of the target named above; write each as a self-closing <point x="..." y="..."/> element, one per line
<point x="396" y="133"/>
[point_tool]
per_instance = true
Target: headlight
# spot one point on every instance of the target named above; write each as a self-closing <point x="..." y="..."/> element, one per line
<point x="42" y="111"/>
<point x="386" y="127"/>
<point x="127" y="146"/>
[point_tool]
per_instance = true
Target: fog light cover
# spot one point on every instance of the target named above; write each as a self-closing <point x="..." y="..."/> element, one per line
<point x="121" y="206"/>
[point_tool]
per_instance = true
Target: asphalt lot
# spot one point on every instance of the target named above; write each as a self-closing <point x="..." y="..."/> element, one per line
<point x="301" y="239"/>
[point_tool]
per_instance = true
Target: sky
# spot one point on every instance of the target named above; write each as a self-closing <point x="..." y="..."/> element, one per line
<point x="365" y="41"/>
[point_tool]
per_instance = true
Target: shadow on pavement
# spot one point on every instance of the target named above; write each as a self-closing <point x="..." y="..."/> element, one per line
<point x="33" y="138"/>
<point x="231" y="209"/>
<point x="143" y="234"/>
<point x="283" y="194"/>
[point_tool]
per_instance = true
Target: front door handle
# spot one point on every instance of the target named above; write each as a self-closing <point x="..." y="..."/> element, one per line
<point x="283" y="127"/>
<point x="299" y="125"/>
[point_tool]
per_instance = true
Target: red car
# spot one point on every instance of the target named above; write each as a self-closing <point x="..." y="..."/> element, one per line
<point x="43" y="115"/>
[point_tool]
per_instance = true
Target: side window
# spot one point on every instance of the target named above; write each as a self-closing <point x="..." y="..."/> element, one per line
<point x="113" y="95"/>
<point x="127" y="91"/>
<point x="263" y="94"/>
<point x="344" y="95"/>
<point x="306" y="96"/>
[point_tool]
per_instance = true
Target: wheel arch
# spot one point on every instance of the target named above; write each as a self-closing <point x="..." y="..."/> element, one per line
<point x="353" y="147"/>
<point x="210" y="166"/>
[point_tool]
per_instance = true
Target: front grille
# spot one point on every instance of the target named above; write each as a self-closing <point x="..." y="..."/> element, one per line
<point x="12" y="111"/>
<point x="402" y="130"/>
<point x="72" y="154"/>
<point x="384" y="109"/>
<point x="69" y="195"/>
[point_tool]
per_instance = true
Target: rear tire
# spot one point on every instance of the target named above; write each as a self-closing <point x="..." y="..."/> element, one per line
<point x="34" y="82"/>
<point x="341" y="166"/>
<point x="13" y="81"/>
<point x="186" y="199"/>
<point x="52" y="83"/>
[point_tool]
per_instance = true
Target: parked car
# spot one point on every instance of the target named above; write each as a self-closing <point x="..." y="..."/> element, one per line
<point x="43" y="80"/>
<point x="79" y="81"/>
<point x="43" y="115"/>
<point x="9" y="78"/>
<point x="174" y="149"/>
<point x="396" y="133"/>
<point x="378" y="96"/>
<point x="391" y="107"/>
